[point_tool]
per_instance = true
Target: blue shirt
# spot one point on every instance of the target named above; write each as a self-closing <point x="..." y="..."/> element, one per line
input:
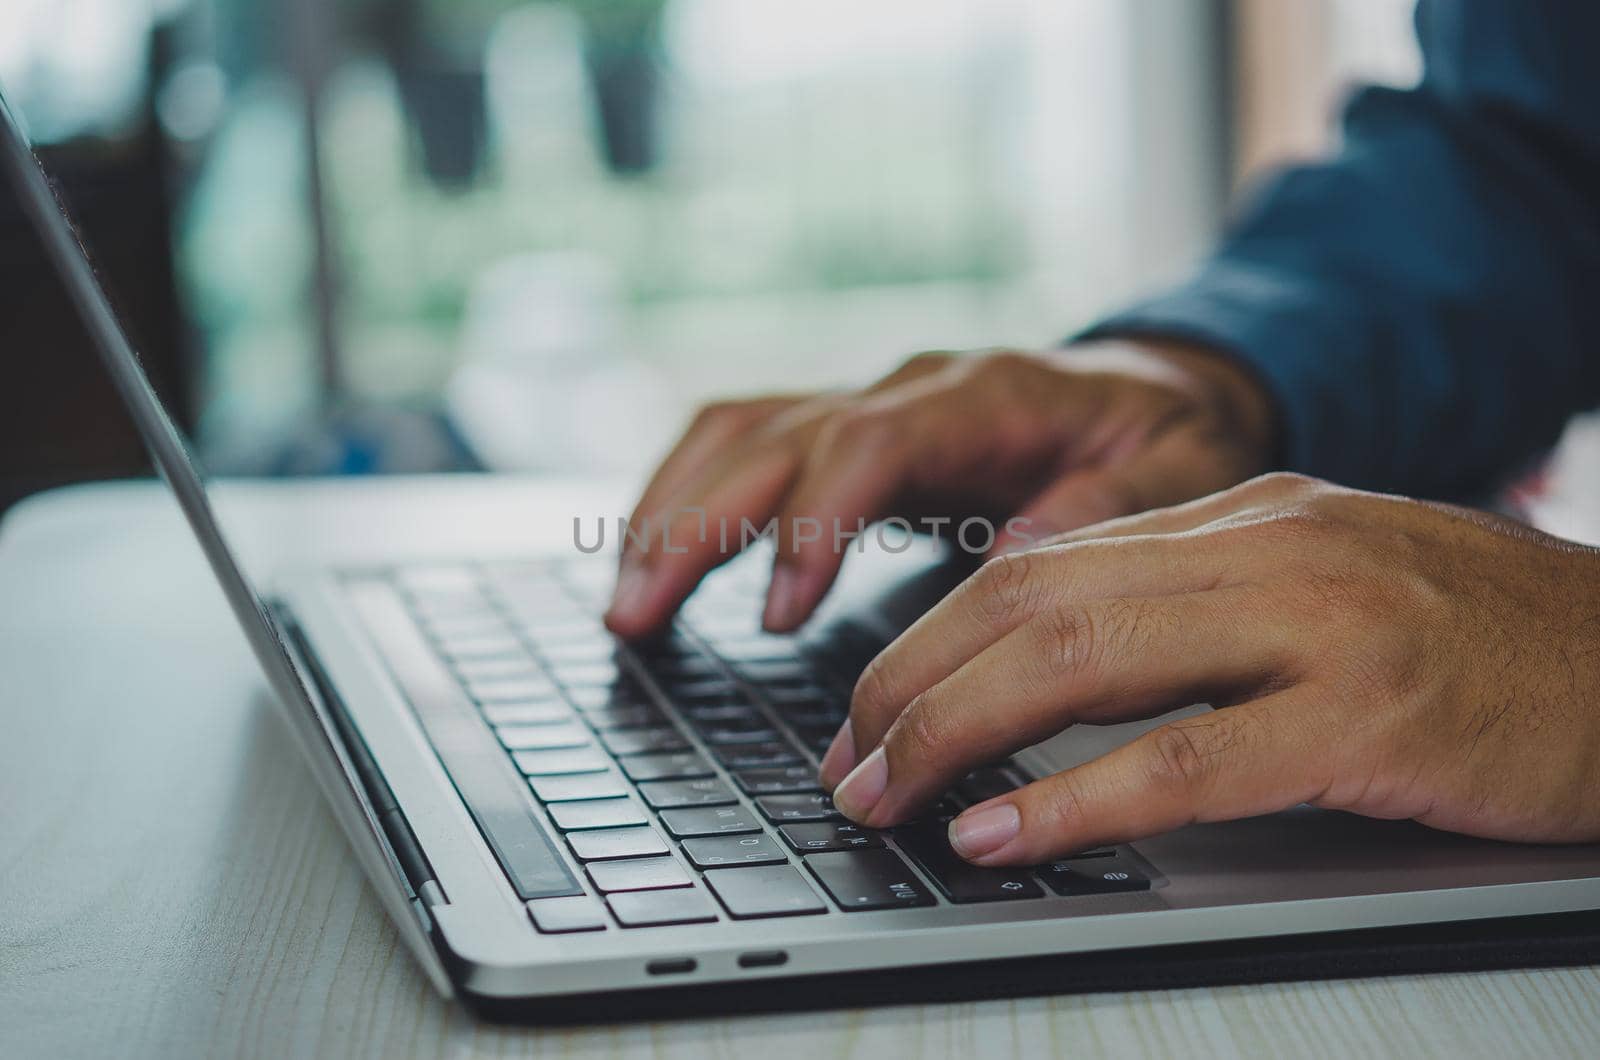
<point x="1425" y="306"/>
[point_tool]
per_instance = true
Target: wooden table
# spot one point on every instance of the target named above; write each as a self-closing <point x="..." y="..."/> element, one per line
<point x="172" y="884"/>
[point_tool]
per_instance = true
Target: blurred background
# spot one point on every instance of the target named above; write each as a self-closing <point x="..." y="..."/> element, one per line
<point x="365" y="236"/>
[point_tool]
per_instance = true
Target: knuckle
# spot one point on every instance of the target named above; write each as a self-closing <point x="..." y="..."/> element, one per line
<point x="868" y="427"/>
<point x="1059" y="800"/>
<point x="924" y="731"/>
<point x="1069" y="638"/>
<point x="1004" y="590"/>
<point x="1282" y="484"/>
<point x="1183" y="754"/>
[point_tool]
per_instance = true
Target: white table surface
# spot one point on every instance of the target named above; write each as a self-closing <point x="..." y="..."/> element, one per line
<point x="172" y="885"/>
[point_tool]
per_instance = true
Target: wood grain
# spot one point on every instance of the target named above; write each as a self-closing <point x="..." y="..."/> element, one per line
<point x="173" y="886"/>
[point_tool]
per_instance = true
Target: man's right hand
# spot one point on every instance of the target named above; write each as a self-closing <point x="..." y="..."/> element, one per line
<point x="1048" y="442"/>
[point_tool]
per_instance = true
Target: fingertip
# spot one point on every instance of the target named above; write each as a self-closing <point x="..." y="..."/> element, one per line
<point x="791" y="597"/>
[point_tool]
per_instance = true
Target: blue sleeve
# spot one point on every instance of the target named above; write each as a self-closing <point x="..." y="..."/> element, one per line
<point x="1425" y="307"/>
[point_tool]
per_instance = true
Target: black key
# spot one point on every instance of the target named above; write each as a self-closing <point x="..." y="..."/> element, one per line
<point x="702" y="690"/>
<point x="665" y="766"/>
<point x="573" y="788"/>
<point x="622" y="717"/>
<point x="597" y="813"/>
<point x="558" y="916"/>
<point x="718" y="713"/>
<point x="641" y="874"/>
<point x="722" y="851"/>
<point x="623" y="695"/>
<point x="543" y="737"/>
<point x="813" y="715"/>
<point x="709" y="820"/>
<point x="807" y="807"/>
<point x="685" y="667"/>
<point x="984" y="784"/>
<point x="640" y="741"/>
<point x="617" y="843"/>
<point x="699" y="791"/>
<point x="775" y="671"/>
<point x="770" y="890"/>
<point x="868" y="879"/>
<point x="741" y="734"/>
<point x="587" y="675"/>
<point x="816" y="837"/>
<point x="927" y="844"/>
<point x="756" y="756"/>
<point x="505" y="668"/>
<point x="511" y="691"/>
<point x="489" y="646"/>
<point x="778" y="780"/>
<point x="559" y="763"/>
<point x="530" y="712"/>
<point x="750" y="650"/>
<point x="816" y="738"/>
<point x="578" y="651"/>
<point x="681" y="905"/>
<point x="1093" y="875"/>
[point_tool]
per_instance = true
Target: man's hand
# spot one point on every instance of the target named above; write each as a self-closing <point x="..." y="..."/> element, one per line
<point x="1059" y="439"/>
<point x="1366" y="653"/>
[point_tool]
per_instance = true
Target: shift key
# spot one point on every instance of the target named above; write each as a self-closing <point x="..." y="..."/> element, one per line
<point x="868" y="879"/>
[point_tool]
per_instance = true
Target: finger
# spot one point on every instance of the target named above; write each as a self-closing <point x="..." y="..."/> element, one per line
<point x="859" y="464"/>
<point x="1005" y="593"/>
<point x="1110" y="660"/>
<point x="713" y="429"/>
<point x="701" y="528"/>
<point x="1168" y="472"/>
<point x="710" y="518"/>
<point x="1255" y="758"/>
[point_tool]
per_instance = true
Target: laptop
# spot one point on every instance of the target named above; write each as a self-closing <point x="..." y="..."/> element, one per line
<point x="564" y="826"/>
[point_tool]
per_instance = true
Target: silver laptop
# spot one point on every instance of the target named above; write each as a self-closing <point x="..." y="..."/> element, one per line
<point x="563" y="825"/>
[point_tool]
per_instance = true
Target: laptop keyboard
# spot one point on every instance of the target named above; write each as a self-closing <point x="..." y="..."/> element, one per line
<point x="681" y="773"/>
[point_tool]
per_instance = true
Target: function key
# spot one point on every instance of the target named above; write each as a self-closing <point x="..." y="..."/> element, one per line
<point x="681" y="905"/>
<point x="928" y="845"/>
<point x="815" y="837"/>
<point x="709" y="820"/>
<point x="597" y="813"/>
<point x="605" y="843"/>
<point x="699" y="791"/>
<point x="1093" y="875"/>
<point x="807" y="807"/>
<point x="769" y="890"/>
<point x="576" y="788"/>
<point x="861" y="880"/>
<point x="640" y="874"/>
<point x="560" y="916"/>
<point x="726" y="851"/>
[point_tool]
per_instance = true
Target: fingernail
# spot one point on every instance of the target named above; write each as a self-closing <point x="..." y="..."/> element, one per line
<point x="783" y="599"/>
<point x="859" y="792"/>
<point x="981" y="831"/>
<point x="840" y="759"/>
<point x="633" y="586"/>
